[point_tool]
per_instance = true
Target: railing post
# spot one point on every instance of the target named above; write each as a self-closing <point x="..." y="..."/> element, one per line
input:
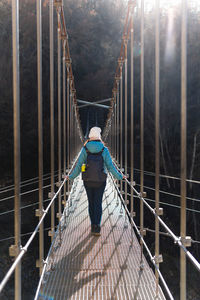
<point x="120" y="61"/>
<point x="125" y="38"/>
<point x="40" y="132"/>
<point x="71" y="121"/>
<point x="51" y="38"/>
<point x="64" y="119"/>
<point x="157" y="135"/>
<point x="183" y="146"/>
<point x="142" y="127"/>
<point x="132" y="107"/>
<point x="117" y="126"/>
<point x="16" y="123"/>
<point x="59" y="118"/>
<point x="68" y="119"/>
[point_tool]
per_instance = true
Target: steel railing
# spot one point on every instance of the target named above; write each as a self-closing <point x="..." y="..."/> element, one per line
<point x="24" y="249"/>
<point x="177" y="239"/>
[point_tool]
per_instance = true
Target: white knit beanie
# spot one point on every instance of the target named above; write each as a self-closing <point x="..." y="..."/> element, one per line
<point x="95" y="133"/>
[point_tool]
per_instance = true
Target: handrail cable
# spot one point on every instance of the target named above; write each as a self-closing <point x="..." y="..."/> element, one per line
<point x="24" y="249"/>
<point x="26" y="206"/>
<point x="166" y="176"/>
<point x="22" y="235"/>
<point x="142" y="239"/>
<point x="166" y="234"/>
<point x="170" y="194"/>
<point x="177" y="240"/>
<point x="25" y="193"/>
<point x="152" y="200"/>
<point x="172" y="205"/>
<point x="49" y="253"/>
<point x="25" y="183"/>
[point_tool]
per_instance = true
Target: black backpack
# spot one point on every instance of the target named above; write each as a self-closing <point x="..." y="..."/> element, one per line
<point x="94" y="175"/>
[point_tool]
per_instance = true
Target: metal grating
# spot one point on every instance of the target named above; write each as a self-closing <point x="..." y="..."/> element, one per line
<point x="105" y="267"/>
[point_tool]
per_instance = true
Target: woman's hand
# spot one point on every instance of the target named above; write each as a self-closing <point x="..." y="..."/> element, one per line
<point x="67" y="177"/>
<point x="124" y="177"/>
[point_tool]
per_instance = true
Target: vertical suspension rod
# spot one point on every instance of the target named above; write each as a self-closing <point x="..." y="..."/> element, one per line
<point x="68" y="123"/>
<point x="121" y="120"/>
<point x="117" y="129"/>
<point x="116" y="125"/>
<point x="142" y="127"/>
<point x="52" y="113"/>
<point x="16" y="121"/>
<point x="64" y="118"/>
<point x="132" y="111"/>
<point x="40" y="130"/>
<point x="126" y="115"/>
<point x="157" y="132"/>
<point x="183" y="146"/>
<point x="70" y="127"/>
<point x="59" y="116"/>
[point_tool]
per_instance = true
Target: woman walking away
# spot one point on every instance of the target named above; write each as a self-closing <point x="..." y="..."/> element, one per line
<point x="93" y="161"/>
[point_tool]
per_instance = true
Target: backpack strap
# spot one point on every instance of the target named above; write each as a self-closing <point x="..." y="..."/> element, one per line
<point x="86" y="149"/>
<point x="88" y="152"/>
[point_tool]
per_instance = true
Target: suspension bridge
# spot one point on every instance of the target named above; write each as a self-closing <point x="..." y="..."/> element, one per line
<point x="119" y="264"/>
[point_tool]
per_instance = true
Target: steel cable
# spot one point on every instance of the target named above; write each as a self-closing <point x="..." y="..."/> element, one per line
<point x="177" y="240"/>
<point x="25" y="248"/>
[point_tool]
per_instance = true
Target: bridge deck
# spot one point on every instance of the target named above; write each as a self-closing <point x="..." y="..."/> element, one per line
<point x="105" y="267"/>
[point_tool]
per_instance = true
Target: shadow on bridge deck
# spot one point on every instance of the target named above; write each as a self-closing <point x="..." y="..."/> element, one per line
<point x="105" y="267"/>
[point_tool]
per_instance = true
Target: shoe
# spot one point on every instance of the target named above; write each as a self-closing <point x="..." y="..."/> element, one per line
<point x="96" y="230"/>
<point x="93" y="229"/>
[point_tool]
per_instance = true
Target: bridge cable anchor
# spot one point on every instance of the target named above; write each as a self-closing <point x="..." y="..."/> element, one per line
<point x="39" y="212"/>
<point x="158" y="259"/>
<point x="143" y="195"/>
<point x="14" y="250"/>
<point x="159" y="211"/>
<point x="51" y="195"/>
<point x="186" y="241"/>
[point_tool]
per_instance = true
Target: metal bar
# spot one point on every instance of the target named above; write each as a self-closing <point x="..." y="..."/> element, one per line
<point x="71" y="124"/>
<point x="59" y="118"/>
<point x="126" y="115"/>
<point x="40" y="128"/>
<point x="94" y="104"/>
<point x="16" y="123"/>
<point x="112" y="126"/>
<point x="121" y="121"/>
<point x="97" y="102"/>
<point x="115" y="126"/>
<point x="142" y="125"/>
<point x="183" y="295"/>
<point x="51" y="8"/>
<point x="132" y="109"/>
<point x="64" y="119"/>
<point x="68" y="123"/>
<point x="157" y="132"/>
<point x="117" y="129"/>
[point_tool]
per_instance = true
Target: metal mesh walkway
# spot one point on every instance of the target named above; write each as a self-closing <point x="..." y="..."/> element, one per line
<point x="105" y="267"/>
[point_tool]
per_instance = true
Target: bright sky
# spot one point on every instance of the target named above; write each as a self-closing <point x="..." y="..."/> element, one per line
<point x="149" y="4"/>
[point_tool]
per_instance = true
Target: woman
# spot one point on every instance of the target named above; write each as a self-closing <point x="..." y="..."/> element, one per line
<point x="94" y="150"/>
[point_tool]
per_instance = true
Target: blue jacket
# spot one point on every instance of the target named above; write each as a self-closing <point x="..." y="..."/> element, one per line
<point x="95" y="147"/>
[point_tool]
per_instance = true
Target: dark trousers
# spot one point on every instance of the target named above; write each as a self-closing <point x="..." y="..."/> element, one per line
<point x="95" y="195"/>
